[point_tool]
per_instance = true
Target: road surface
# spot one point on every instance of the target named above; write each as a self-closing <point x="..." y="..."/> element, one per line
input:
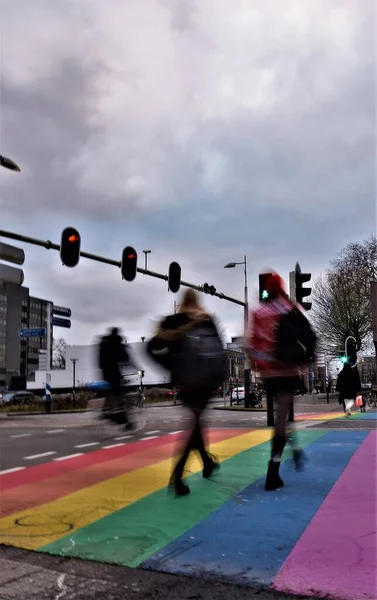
<point x="107" y="503"/>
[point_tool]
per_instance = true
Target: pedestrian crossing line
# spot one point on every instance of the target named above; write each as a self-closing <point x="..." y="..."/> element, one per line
<point x="47" y="523"/>
<point x="13" y="470"/>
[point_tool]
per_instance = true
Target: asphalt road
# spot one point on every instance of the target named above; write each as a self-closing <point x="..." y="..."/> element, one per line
<point x="32" y="440"/>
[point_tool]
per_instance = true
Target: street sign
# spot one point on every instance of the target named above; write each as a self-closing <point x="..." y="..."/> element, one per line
<point x="11" y="274"/>
<point x="60" y="310"/>
<point x="33" y="332"/>
<point x="61" y="322"/>
<point x="12" y="254"/>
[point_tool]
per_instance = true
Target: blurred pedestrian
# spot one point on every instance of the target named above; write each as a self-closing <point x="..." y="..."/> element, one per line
<point x="281" y="342"/>
<point x="349" y="386"/>
<point x="189" y="346"/>
<point x="112" y="355"/>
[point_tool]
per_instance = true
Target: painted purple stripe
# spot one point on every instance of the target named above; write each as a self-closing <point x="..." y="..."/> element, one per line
<point x="337" y="551"/>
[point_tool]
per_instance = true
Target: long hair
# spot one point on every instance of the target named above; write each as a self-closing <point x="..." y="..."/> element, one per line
<point x="190" y="304"/>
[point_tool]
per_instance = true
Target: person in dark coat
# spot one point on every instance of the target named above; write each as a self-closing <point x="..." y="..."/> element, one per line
<point x="349" y="386"/>
<point x="114" y="354"/>
<point x="164" y="348"/>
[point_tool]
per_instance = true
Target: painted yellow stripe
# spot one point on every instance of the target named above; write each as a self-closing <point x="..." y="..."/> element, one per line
<point x="44" y="524"/>
<point x="323" y="417"/>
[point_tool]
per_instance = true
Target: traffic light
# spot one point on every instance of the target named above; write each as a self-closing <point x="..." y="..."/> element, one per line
<point x="209" y="289"/>
<point x="70" y="247"/>
<point x="263" y="293"/>
<point x="300" y="291"/>
<point x="350" y="348"/>
<point x="174" y="277"/>
<point x="129" y="263"/>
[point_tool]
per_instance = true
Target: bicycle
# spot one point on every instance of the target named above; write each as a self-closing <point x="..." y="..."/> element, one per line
<point x="372" y="400"/>
<point x="108" y="415"/>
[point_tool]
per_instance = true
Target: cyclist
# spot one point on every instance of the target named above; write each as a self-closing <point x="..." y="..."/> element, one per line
<point x="114" y="354"/>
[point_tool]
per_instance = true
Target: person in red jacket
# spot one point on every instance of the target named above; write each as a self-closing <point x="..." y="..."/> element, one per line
<point x="281" y="380"/>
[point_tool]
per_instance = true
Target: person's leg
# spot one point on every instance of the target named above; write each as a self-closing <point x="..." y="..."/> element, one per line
<point x="283" y="400"/>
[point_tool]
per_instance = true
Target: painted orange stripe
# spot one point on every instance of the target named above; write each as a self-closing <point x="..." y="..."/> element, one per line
<point x="48" y="489"/>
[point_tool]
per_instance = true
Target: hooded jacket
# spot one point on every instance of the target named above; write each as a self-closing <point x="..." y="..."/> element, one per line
<point x="262" y="338"/>
<point x="164" y="346"/>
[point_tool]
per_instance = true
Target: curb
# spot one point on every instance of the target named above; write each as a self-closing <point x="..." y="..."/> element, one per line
<point x="10" y="415"/>
<point x="240" y="409"/>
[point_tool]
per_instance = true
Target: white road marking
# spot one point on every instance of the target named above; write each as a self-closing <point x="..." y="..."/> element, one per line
<point x="55" y="431"/>
<point x="123" y="437"/>
<point x="20" y="435"/>
<point x="12" y="470"/>
<point x="150" y="432"/>
<point x="68" y="456"/>
<point x="113" y="446"/>
<point x="87" y="445"/>
<point x="151" y="437"/>
<point x="174" y="432"/>
<point x="39" y="455"/>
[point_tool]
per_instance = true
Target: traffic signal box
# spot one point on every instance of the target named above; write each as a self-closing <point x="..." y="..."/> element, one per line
<point x="70" y="247"/>
<point x="174" y="277"/>
<point x="129" y="263"/>
<point x="301" y="292"/>
<point x="263" y="293"/>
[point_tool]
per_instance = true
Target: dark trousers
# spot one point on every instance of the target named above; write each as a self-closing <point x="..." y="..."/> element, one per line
<point x="196" y="402"/>
<point x="282" y="390"/>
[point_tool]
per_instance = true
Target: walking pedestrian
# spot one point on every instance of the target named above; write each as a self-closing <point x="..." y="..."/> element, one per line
<point x="349" y="387"/>
<point x="189" y="346"/>
<point x="281" y="341"/>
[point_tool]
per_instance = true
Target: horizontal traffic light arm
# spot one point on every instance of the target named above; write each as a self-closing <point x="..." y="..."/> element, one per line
<point x="108" y="261"/>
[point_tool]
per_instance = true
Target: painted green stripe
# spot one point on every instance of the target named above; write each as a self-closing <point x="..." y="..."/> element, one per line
<point x="133" y="534"/>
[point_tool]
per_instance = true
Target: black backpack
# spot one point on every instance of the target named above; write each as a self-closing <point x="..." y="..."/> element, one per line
<point x="295" y="339"/>
<point x="201" y="362"/>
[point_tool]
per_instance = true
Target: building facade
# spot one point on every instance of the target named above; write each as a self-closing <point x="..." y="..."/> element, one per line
<point x="19" y="310"/>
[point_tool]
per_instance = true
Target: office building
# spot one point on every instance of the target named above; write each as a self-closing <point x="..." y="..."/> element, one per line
<point x="19" y="310"/>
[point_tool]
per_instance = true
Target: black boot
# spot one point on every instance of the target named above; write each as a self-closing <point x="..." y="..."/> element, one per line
<point x="209" y="467"/>
<point x="180" y="488"/>
<point x="273" y="479"/>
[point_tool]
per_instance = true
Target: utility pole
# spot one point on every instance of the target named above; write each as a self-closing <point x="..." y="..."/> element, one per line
<point x="49" y="353"/>
<point x="74" y="361"/>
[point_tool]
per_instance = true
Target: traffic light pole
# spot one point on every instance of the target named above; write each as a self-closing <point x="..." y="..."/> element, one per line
<point x="108" y="261"/>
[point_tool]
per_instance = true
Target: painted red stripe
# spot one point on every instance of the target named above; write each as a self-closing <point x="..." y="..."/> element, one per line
<point x="39" y="492"/>
<point x="52" y="469"/>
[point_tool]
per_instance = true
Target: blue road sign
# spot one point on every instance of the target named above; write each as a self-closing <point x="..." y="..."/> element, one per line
<point x="61" y="322"/>
<point x="33" y="332"/>
<point x="60" y="310"/>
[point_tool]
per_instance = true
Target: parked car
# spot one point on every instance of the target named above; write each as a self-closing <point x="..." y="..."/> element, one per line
<point x="237" y="395"/>
<point x="21" y="397"/>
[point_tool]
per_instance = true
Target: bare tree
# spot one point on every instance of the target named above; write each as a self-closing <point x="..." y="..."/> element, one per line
<point x="341" y="297"/>
<point x="59" y="353"/>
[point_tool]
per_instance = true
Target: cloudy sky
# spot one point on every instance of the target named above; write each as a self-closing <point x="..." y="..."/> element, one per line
<point x="202" y="130"/>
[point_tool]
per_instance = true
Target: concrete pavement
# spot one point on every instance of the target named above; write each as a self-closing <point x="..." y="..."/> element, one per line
<point x="110" y="505"/>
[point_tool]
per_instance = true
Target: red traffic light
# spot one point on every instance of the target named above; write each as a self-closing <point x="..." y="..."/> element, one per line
<point x="70" y="247"/>
<point x="129" y="263"/>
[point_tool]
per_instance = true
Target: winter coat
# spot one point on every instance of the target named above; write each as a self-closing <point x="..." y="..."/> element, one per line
<point x="164" y="347"/>
<point x="348" y="383"/>
<point x="262" y="338"/>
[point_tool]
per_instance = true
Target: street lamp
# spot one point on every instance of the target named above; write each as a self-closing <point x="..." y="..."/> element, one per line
<point x="74" y="361"/>
<point x="9" y="164"/>
<point x="231" y="265"/>
<point x="146" y="252"/>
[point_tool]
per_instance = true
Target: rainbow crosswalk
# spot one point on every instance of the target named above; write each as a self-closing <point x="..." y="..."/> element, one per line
<point x="317" y="533"/>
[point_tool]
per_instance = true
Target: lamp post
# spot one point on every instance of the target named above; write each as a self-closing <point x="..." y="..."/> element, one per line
<point x="231" y="265"/>
<point x="74" y="361"/>
<point x="9" y="164"/>
<point x="146" y="252"/>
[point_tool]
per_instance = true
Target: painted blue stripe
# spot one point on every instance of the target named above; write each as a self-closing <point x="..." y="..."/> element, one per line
<point x="250" y="537"/>
<point x="372" y="416"/>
